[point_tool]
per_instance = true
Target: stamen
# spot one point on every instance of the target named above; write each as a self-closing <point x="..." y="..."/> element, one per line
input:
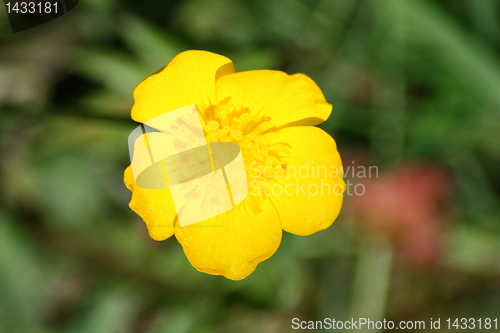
<point x="263" y="160"/>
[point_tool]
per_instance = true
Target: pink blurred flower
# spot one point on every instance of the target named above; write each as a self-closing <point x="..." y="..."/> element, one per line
<point x="406" y="205"/>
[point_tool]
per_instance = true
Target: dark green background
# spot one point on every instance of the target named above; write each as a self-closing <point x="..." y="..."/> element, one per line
<point x="412" y="81"/>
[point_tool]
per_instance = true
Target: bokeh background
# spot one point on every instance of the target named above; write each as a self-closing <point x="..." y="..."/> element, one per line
<point x="416" y="90"/>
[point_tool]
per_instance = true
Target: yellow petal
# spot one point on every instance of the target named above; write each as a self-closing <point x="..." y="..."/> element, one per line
<point x="188" y="79"/>
<point x="233" y="243"/>
<point x="155" y="207"/>
<point x="287" y="100"/>
<point x="308" y="196"/>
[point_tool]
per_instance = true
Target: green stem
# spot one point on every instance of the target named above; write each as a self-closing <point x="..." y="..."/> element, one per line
<point x="371" y="281"/>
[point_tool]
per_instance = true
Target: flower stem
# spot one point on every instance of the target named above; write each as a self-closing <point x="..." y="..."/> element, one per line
<point x="371" y="281"/>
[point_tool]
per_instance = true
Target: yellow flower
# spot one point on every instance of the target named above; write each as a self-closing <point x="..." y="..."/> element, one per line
<point x="294" y="173"/>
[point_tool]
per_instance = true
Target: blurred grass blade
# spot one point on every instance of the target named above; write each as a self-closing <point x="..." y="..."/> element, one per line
<point x="465" y="55"/>
<point x="154" y="47"/>
<point x="115" y="71"/>
<point x="113" y="311"/>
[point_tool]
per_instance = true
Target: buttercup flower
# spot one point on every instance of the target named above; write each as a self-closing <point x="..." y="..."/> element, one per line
<point x="293" y="169"/>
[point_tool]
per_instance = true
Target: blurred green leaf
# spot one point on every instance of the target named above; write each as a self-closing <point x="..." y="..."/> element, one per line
<point x="474" y="250"/>
<point x="466" y="56"/>
<point x="111" y="311"/>
<point x="154" y="47"/>
<point x="116" y="71"/>
<point x="176" y="320"/>
<point x="20" y="281"/>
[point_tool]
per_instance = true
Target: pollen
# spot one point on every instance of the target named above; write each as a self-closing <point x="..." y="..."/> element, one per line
<point x="262" y="151"/>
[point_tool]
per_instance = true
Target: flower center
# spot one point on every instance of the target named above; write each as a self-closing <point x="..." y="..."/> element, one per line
<point x="258" y="140"/>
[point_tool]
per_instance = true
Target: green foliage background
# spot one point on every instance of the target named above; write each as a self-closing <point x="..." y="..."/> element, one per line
<point x="411" y="80"/>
